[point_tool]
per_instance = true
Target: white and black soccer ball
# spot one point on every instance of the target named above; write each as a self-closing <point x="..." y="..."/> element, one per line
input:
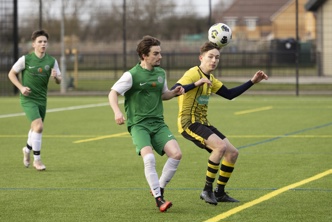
<point x="220" y="34"/>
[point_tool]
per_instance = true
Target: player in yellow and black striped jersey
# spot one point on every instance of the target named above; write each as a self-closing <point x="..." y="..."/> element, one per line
<point x="199" y="83"/>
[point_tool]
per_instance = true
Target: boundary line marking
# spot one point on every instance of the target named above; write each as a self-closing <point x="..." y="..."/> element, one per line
<point x="101" y="137"/>
<point x="230" y="136"/>
<point x="142" y="188"/>
<point x="285" y="135"/>
<point x="253" y="110"/>
<point x="60" y="109"/>
<point x="268" y="196"/>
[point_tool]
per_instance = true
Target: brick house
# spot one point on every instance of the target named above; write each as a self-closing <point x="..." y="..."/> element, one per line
<point x="258" y="20"/>
<point x="323" y="13"/>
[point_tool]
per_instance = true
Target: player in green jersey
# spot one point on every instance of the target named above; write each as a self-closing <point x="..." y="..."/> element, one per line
<point x="144" y="87"/>
<point x="199" y="83"/>
<point x="36" y="68"/>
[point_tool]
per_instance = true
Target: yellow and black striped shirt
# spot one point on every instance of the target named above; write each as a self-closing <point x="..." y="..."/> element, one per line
<point x="193" y="105"/>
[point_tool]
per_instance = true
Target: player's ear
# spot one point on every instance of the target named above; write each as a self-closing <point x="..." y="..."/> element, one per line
<point x="200" y="57"/>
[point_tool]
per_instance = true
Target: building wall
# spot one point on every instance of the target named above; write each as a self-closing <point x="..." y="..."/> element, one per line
<point x="310" y="26"/>
<point x="326" y="11"/>
<point x="284" y="22"/>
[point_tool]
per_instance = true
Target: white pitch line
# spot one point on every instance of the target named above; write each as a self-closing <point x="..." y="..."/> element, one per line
<point x="60" y="109"/>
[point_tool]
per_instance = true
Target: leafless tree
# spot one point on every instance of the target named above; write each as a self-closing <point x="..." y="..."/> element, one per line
<point x="102" y="21"/>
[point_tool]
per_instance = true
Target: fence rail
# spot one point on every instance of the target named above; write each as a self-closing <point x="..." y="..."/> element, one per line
<point x="96" y="67"/>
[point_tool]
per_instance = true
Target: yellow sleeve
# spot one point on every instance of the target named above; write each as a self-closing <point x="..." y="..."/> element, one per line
<point x="190" y="76"/>
<point x="216" y="84"/>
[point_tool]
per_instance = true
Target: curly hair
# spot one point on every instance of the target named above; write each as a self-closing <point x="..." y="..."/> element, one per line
<point x="144" y="46"/>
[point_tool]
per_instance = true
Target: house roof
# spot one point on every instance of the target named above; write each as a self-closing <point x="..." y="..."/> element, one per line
<point x="262" y="10"/>
<point x="313" y="5"/>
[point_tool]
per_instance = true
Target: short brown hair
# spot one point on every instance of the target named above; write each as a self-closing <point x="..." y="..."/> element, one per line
<point x="38" y="33"/>
<point x="143" y="47"/>
<point x="207" y="46"/>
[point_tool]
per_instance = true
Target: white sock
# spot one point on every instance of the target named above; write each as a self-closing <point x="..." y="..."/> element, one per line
<point x="28" y="142"/>
<point x="151" y="174"/>
<point x="36" y="139"/>
<point x="169" y="170"/>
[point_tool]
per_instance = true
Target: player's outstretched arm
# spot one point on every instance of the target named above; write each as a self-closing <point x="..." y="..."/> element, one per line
<point x="236" y="91"/>
<point x="259" y="76"/>
<point x="169" y="94"/>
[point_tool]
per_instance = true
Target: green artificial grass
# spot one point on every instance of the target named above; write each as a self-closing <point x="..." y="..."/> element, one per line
<point x="94" y="174"/>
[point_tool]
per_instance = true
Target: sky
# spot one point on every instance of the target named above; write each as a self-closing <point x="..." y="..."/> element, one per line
<point x="200" y="6"/>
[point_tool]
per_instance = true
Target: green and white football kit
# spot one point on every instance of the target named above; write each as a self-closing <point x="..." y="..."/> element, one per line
<point x="142" y="90"/>
<point x="35" y="75"/>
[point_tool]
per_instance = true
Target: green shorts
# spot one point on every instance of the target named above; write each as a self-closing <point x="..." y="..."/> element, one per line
<point x="33" y="110"/>
<point x="151" y="133"/>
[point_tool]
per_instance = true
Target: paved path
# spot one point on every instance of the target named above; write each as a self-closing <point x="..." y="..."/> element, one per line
<point x="278" y="79"/>
<point x="271" y="80"/>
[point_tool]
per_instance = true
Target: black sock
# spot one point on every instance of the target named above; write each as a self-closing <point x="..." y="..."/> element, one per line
<point x="29" y="147"/>
<point x="211" y="172"/>
<point x="220" y="189"/>
<point x="159" y="201"/>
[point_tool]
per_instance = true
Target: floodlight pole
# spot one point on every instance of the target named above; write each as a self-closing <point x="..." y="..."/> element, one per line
<point x="63" y="87"/>
<point x="124" y="37"/>
<point x="210" y="13"/>
<point x="40" y="14"/>
<point x="15" y="37"/>
<point x="297" y="49"/>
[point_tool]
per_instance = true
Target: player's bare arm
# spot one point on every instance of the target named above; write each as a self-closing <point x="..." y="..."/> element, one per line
<point x="57" y="78"/>
<point x="113" y="101"/>
<point x="12" y="75"/>
<point x="169" y="94"/>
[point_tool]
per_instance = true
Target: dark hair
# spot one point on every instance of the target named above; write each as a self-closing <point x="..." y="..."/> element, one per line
<point x="143" y="47"/>
<point x="207" y="46"/>
<point x="38" y="33"/>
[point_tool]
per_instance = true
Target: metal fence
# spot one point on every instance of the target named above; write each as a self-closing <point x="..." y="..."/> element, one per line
<point x="271" y="60"/>
<point x="7" y="53"/>
<point x="109" y="66"/>
<point x="282" y="57"/>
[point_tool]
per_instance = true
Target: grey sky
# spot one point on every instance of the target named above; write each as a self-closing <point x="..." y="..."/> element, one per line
<point x="200" y="6"/>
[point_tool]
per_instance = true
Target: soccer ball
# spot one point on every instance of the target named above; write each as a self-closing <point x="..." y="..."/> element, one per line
<point x="220" y="34"/>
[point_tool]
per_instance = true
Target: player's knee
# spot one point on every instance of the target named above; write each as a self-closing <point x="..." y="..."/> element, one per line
<point x="174" y="154"/>
<point x="219" y="151"/>
<point x="37" y="126"/>
<point x="235" y="154"/>
<point x="177" y="155"/>
<point x="221" y="147"/>
<point x="149" y="160"/>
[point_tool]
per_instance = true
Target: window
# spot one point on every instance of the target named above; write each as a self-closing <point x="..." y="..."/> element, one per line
<point x="251" y="23"/>
<point x="231" y="22"/>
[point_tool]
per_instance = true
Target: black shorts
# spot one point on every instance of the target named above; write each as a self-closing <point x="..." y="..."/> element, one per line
<point x="198" y="132"/>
